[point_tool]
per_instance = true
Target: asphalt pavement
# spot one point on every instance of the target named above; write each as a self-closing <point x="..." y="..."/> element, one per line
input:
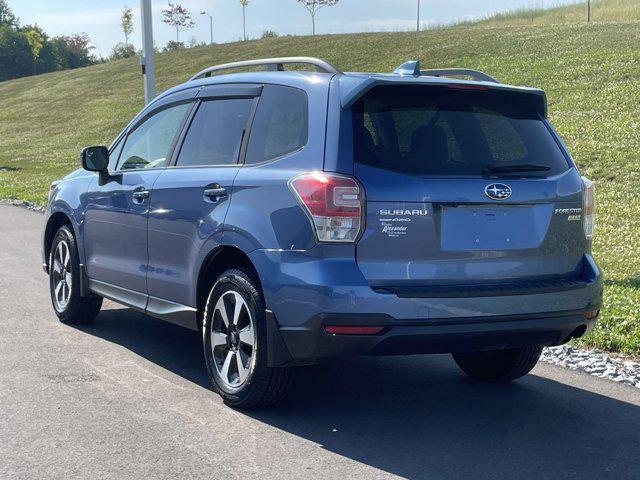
<point x="128" y="397"/>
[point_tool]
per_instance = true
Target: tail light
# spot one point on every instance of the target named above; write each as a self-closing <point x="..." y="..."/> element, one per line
<point x="333" y="202"/>
<point x="588" y="206"/>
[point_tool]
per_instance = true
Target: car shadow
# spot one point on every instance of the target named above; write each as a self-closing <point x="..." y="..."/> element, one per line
<point x="419" y="417"/>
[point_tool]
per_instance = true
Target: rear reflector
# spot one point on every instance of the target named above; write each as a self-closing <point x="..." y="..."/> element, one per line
<point x="591" y="314"/>
<point x="352" y="330"/>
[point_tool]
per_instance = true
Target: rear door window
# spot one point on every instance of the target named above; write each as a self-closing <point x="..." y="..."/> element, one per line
<point x="280" y="125"/>
<point x="215" y="134"/>
<point x="442" y="132"/>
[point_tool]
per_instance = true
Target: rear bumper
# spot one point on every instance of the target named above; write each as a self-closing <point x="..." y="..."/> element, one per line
<point x="310" y="344"/>
<point x="305" y="291"/>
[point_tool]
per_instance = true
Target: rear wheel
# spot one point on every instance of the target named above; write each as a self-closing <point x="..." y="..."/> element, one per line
<point x="499" y="365"/>
<point x="235" y="344"/>
<point x="64" y="282"/>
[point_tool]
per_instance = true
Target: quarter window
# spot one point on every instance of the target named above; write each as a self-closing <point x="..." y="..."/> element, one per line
<point x="148" y="145"/>
<point x="280" y="125"/>
<point x="215" y="134"/>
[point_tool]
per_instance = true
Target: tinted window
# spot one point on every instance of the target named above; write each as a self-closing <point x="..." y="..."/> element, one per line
<point x="148" y="145"/>
<point x="280" y="125"/>
<point x="436" y="131"/>
<point x="215" y="134"/>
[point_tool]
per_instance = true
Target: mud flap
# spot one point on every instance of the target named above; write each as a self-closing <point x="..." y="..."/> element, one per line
<point x="278" y="354"/>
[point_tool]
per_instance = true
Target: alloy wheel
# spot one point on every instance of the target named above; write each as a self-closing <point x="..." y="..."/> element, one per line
<point x="233" y="339"/>
<point x="62" y="278"/>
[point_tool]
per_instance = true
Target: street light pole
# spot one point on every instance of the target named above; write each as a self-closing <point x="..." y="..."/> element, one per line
<point x="418" y="21"/>
<point x="146" y="61"/>
<point x="210" y="24"/>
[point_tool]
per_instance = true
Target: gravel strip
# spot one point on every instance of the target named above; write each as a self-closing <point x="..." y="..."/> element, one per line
<point x="20" y="203"/>
<point x="621" y="369"/>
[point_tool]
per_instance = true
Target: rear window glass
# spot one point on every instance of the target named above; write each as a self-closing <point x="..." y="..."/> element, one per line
<point x="441" y="131"/>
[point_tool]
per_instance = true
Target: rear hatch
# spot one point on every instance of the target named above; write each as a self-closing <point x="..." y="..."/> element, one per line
<point x="464" y="185"/>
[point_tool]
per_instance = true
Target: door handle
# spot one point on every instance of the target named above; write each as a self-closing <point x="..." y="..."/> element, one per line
<point x="215" y="193"/>
<point x="140" y="195"/>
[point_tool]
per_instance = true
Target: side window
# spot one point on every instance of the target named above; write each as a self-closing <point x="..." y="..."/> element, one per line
<point x="280" y="126"/>
<point x="215" y="134"/>
<point x="148" y="145"/>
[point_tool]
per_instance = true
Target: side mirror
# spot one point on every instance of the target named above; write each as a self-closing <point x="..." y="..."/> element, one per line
<point x="96" y="159"/>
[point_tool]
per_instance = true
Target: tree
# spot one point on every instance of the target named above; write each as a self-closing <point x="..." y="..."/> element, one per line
<point x="15" y="54"/>
<point x="79" y="46"/>
<point x="126" y="23"/>
<point x="36" y="42"/>
<point x="269" y="34"/>
<point x="173" y="45"/>
<point x="178" y="17"/>
<point x="313" y="6"/>
<point x="122" y="50"/>
<point x="6" y="15"/>
<point x="244" y="4"/>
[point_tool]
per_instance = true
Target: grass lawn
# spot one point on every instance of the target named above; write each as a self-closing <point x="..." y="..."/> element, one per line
<point x="601" y="11"/>
<point x="591" y="74"/>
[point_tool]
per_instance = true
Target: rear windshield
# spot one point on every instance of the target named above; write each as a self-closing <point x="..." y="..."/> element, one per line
<point x="442" y="131"/>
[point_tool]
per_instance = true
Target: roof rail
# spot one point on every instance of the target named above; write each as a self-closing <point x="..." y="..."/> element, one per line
<point x="467" y="72"/>
<point x="412" y="68"/>
<point x="272" y="64"/>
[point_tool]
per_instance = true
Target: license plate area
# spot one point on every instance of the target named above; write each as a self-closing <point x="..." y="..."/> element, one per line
<point x="489" y="228"/>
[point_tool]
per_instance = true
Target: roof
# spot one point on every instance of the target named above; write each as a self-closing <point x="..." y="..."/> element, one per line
<point x="352" y="85"/>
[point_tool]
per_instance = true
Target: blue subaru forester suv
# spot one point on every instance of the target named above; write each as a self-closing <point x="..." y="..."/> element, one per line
<point x="292" y="216"/>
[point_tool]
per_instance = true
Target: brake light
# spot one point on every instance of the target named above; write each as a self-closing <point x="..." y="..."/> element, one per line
<point x="588" y="206"/>
<point x="467" y="86"/>
<point x="333" y="202"/>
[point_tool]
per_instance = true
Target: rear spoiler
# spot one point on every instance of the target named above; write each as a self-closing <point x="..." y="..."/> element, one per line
<point x="354" y="87"/>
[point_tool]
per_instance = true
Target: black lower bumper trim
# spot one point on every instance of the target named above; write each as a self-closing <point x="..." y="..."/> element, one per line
<point x="310" y="343"/>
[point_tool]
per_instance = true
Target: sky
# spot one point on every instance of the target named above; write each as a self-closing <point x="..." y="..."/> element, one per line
<point x="101" y="18"/>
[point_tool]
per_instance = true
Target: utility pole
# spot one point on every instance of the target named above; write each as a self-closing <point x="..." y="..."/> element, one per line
<point x="418" y="20"/>
<point x="146" y="61"/>
<point x="210" y="24"/>
<point x="244" y="4"/>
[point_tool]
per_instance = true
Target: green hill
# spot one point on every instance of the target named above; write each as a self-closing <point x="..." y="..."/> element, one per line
<point x="590" y="72"/>
<point x="601" y="11"/>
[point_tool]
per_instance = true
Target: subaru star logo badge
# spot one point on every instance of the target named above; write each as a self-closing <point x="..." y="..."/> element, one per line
<point x="498" y="191"/>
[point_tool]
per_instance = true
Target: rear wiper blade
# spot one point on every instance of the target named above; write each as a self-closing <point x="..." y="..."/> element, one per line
<point x="523" y="167"/>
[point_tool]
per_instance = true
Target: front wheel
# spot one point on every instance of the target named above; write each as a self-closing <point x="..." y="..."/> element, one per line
<point x="235" y="344"/>
<point x="499" y="365"/>
<point x="64" y="282"/>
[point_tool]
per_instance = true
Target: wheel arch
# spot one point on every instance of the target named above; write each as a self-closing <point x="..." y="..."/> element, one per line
<point x="54" y="223"/>
<point x="221" y="259"/>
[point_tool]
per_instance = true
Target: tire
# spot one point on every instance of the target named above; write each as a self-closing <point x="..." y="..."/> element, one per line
<point x="252" y="383"/>
<point x="64" y="281"/>
<point x="499" y="365"/>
